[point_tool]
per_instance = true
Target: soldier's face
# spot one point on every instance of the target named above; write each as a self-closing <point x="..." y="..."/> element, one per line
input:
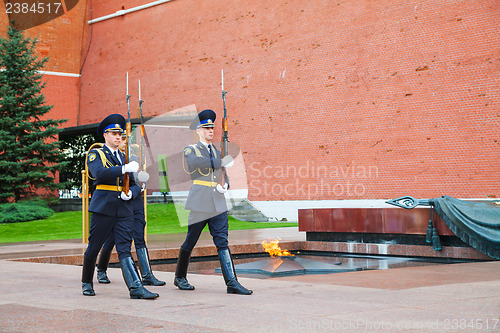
<point x="113" y="139"/>
<point x="123" y="144"/>
<point x="206" y="133"/>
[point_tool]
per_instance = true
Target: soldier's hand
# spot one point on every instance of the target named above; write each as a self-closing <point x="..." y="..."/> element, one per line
<point x="143" y="176"/>
<point x="227" y="161"/>
<point x="126" y="197"/>
<point x="131" y="167"/>
<point x="221" y="189"/>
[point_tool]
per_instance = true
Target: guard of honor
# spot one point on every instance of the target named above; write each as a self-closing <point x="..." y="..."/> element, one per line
<point x="207" y="204"/>
<point x="117" y="217"/>
<point x="112" y="209"/>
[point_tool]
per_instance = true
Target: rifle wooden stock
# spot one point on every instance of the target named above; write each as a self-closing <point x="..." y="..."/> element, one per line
<point x="126" y="178"/>
<point x="141" y="162"/>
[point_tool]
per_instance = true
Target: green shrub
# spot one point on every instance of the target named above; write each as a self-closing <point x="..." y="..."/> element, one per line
<point x="24" y="211"/>
<point x="34" y="202"/>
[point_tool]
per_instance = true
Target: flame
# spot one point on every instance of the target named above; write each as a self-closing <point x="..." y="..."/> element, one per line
<point x="274" y="249"/>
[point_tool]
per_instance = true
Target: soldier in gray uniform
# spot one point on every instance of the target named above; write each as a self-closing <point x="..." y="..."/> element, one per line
<point x="207" y="204"/>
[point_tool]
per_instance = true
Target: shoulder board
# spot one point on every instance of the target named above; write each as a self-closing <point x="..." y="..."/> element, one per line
<point x="191" y="148"/>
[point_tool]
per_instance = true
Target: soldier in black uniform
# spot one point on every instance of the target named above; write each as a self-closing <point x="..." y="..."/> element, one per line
<point x="111" y="208"/>
<point x="207" y="204"/>
<point x="138" y="228"/>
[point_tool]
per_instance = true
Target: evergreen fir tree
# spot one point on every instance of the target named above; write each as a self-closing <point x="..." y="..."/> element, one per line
<point x="29" y="150"/>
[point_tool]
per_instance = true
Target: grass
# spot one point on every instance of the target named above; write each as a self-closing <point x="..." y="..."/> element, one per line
<point x="162" y="219"/>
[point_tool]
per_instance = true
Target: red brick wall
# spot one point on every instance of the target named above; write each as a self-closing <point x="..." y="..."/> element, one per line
<point x="389" y="98"/>
<point x="62" y="41"/>
<point x="63" y="94"/>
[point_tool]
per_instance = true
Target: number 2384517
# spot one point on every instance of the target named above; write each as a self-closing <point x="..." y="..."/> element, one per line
<point x="35" y="8"/>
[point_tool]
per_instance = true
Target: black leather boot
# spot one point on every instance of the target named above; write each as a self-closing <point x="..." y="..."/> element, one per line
<point x="227" y="268"/>
<point x="102" y="266"/>
<point x="87" y="276"/>
<point x="180" y="280"/>
<point x="148" y="279"/>
<point x="133" y="282"/>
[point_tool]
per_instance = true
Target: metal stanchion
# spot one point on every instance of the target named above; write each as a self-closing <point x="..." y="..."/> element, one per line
<point x="85" y="207"/>
<point x="145" y="197"/>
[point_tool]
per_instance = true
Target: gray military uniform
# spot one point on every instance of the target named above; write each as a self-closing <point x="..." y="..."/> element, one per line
<point x="204" y="201"/>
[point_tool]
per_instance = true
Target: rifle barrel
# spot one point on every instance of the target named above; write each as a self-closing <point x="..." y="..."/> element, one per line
<point x="128" y="130"/>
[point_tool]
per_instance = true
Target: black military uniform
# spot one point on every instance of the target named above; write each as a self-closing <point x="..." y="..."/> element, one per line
<point x="207" y="205"/>
<point x="138" y="227"/>
<point x="112" y="212"/>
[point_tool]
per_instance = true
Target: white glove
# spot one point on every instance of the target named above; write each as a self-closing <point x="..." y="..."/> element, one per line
<point x="227" y="161"/>
<point x="221" y="189"/>
<point x="143" y="176"/>
<point x="126" y="197"/>
<point x="130" y="167"/>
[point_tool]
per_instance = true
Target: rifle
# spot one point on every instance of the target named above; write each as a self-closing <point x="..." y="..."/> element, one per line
<point x="224" y="140"/>
<point x="143" y="132"/>
<point x="128" y="130"/>
<point x="144" y="137"/>
<point x="143" y="175"/>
